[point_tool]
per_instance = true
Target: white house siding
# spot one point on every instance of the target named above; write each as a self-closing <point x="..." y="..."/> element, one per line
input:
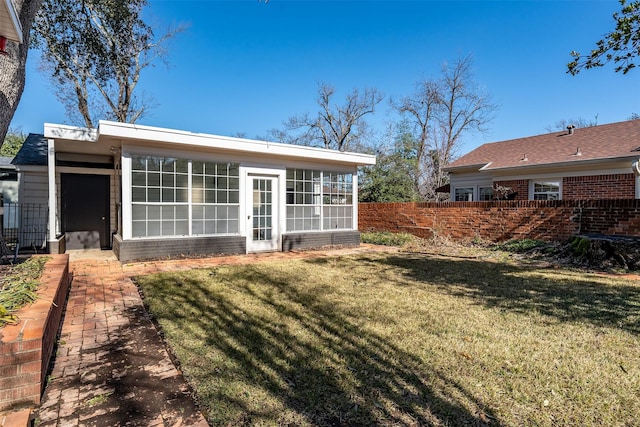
<point x="34" y="199"/>
<point x="34" y="187"/>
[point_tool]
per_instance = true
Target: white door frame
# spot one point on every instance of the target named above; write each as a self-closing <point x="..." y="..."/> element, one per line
<point x="278" y="186"/>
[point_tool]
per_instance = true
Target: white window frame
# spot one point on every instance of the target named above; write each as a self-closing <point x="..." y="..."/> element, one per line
<point x="336" y="205"/>
<point x="480" y="187"/>
<point x="473" y="193"/>
<point x="533" y="182"/>
<point x="126" y="177"/>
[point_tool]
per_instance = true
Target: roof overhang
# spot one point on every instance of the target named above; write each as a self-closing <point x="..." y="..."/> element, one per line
<point x="560" y="165"/>
<point x="10" y="26"/>
<point x="138" y="134"/>
<point x="467" y="168"/>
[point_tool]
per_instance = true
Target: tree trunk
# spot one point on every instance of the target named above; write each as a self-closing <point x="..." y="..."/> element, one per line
<point x="12" y="66"/>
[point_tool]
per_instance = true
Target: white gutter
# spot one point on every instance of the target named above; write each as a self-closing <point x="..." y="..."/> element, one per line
<point x="16" y="35"/>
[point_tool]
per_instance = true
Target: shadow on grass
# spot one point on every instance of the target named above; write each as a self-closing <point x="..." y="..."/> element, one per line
<point x="565" y="295"/>
<point x="295" y="345"/>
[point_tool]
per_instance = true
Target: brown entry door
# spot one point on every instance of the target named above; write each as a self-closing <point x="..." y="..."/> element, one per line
<point x="85" y="210"/>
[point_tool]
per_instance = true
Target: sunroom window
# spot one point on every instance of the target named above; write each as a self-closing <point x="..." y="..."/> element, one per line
<point x="180" y="197"/>
<point x="304" y="202"/>
<point x="337" y="199"/>
<point x="319" y="200"/>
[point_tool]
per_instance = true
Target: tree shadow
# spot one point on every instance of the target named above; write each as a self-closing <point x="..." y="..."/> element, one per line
<point x="296" y="345"/>
<point x="124" y="380"/>
<point x="567" y="296"/>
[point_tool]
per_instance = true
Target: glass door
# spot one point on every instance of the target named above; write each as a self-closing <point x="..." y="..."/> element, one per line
<point x="262" y="217"/>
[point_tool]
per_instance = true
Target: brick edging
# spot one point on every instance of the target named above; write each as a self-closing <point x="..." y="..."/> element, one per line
<point x="26" y="347"/>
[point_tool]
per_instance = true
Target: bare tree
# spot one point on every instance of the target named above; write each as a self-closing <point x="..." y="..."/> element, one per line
<point x="337" y="127"/>
<point x="578" y="122"/>
<point x="443" y="111"/>
<point x="422" y="107"/>
<point x="12" y="66"/>
<point x="95" y="52"/>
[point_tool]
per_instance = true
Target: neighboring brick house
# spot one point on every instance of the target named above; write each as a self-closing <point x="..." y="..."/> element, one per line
<point x="598" y="162"/>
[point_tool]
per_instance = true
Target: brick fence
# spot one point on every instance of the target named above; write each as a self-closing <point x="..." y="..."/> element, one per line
<point x="26" y="347"/>
<point x="504" y="220"/>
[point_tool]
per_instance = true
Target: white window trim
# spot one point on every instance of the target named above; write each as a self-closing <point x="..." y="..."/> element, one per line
<point x="464" y="187"/>
<point x="532" y="183"/>
<point x="354" y="201"/>
<point x="475" y="192"/>
<point x="127" y="208"/>
<point x="485" y="186"/>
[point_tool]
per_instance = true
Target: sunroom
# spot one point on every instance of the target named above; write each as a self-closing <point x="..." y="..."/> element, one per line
<point x="149" y="192"/>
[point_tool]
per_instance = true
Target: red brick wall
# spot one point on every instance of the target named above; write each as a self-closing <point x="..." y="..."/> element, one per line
<point x="594" y="187"/>
<point x="616" y="186"/>
<point x="503" y="220"/>
<point x="26" y="347"/>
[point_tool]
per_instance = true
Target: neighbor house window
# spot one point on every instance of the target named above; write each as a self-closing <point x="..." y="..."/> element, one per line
<point x="485" y="193"/>
<point x="464" y="194"/>
<point x="163" y="206"/>
<point x="546" y="190"/>
<point x="319" y="200"/>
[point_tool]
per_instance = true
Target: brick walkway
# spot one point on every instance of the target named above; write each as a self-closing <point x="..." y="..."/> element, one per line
<point x="111" y="367"/>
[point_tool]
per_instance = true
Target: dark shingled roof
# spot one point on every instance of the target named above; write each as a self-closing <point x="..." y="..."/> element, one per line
<point x="615" y="140"/>
<point x="33" y="151"/>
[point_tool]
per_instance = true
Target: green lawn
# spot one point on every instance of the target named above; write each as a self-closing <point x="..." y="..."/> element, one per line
<point x="403" y="339"/>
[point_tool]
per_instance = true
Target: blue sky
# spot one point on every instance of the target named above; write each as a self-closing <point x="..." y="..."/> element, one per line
<point x="245" y="66"/>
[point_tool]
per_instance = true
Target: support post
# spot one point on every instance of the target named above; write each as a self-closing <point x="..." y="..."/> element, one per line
<point x="53" y="208"/>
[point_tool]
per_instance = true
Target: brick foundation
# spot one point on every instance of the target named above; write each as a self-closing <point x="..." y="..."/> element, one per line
<point x="26" y="347"/>
<point x="504" y="220"/>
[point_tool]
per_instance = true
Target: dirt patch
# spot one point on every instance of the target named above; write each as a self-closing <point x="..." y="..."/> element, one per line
<point x="592" y="252"/>
<point x="6" y="267"/>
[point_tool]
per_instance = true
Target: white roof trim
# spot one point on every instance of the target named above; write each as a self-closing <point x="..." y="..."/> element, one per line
<point x="52" y="131"/>
<point x="134" y="132"/>
<point x="14" y="33"/>
<point x="570" y="163"/>
<point x="475" y="167"/>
